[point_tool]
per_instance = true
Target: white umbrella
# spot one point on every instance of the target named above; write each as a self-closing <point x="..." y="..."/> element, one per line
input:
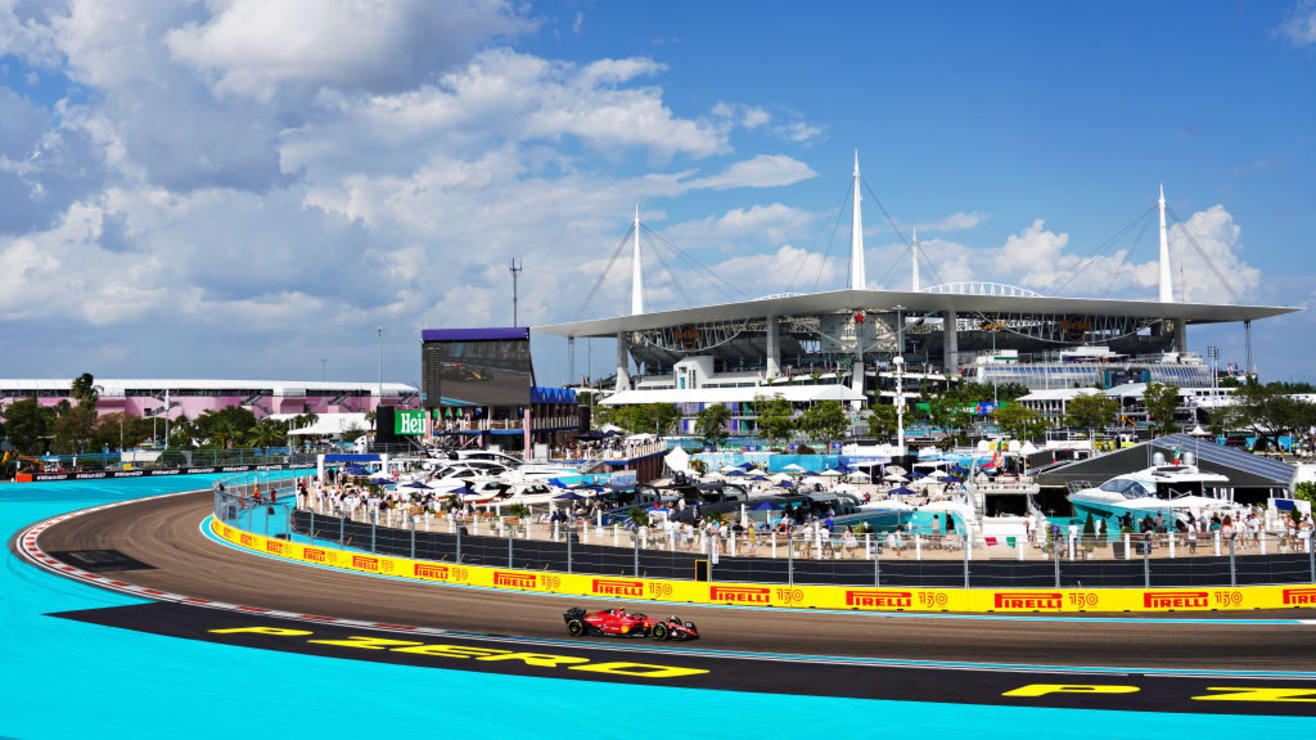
<point x="860" y="475"/>
<point x="938" y="474"/>
<point x="794" y="468"/>
<point x="778" y="477"/>
<point x="896" y="470"/>
<point x="895" y="478"/>
<point x="831" y="473"/>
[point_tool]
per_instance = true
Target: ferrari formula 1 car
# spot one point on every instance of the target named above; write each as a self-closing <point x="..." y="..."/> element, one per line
<point x="622" y="623"/>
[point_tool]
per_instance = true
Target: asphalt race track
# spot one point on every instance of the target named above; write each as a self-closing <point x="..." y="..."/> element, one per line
<point x="1159" y="664"/>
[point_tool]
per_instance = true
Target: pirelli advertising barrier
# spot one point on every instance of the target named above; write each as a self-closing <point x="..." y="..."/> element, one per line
<point x="820" y="597"/>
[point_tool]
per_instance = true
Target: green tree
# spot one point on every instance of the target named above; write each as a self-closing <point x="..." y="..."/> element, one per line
<point x="949" y="418"/>
<point x="224" y="428"/>
<point x="29" y="426"/>
<point x="826" y="420"/>
<point x="266" y="433"/>
<point x="1091" y="411"/>
<point x="1272" y="412"/>
<point x="776" y="418"/>
<point x="84" y="390"/>
<point x="74" y="429"/>
<point x="120" y="431"/>
<point x="638" y="516"/>
<point x="711" y="424"/>
<point x="882" y="421"/>
<point x="1161" y="401"/>
<point x="1020" y="422"/>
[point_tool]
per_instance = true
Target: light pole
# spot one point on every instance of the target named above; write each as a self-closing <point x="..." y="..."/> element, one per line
<point x="515" y="269"/>
<point x="1212" y="354"/>
<point x="899" y="362"/>
<point x="379" y="331"/>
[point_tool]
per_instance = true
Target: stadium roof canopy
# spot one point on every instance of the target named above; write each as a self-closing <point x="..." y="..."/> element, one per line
<point x="913" y="302"/>
<point x="793" y="393"/>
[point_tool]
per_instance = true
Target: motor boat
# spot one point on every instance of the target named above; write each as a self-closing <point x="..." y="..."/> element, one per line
<point x="1170" y="489"/>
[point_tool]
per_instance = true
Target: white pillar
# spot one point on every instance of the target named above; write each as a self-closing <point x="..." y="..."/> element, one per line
<point x="918" y="546"/>
<point x="914" y="248"/>
<point x="773" y="368"/>
<point x="858" y="280"/>
<point x="1128" y="552"/>
<point x="1166" y="282"/>
<point x="950" y="343"/>
<point x="637" y="270"/>
<point x="1172" y="545"/>
<point x="1217" y="543"/>
<point x="623" y="363"/>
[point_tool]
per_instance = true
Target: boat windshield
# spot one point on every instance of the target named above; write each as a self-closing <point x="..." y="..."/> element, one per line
<point x="1126" y="487"/>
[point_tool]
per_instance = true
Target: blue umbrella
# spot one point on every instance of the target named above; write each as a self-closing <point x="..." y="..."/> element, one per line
<point x="902" y="491"/>
<point x="556" y="482"/>
<point x="785" y="484"/>
<point x="570" y="496"/>
<point x="765" y="506"/>
<point x="757" y="478"/>
<point x="356" y="470"/>
<point x="418" y="484"/>
<point x="747" y="466"/>
<point x="916" y="475"/>
<point x="463" y="489"/>
<point x="733" y="473"/>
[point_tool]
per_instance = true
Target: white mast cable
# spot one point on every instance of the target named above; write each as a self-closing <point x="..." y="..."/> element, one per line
<point x="637" y="274"/>
<point x="858" y="281"/>
<point x="1166" y="281"/>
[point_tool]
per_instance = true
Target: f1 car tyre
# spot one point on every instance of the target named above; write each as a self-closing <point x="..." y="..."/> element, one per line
<point x="575" y="628"/>
<point x="691" y="627"/>
<point x="659" y="632"/>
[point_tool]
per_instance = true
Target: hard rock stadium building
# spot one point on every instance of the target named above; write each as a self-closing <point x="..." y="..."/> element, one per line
<point x="843" y="344"/>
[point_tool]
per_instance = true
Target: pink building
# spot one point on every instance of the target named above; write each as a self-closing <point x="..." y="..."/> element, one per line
<point x="191" y="397"/>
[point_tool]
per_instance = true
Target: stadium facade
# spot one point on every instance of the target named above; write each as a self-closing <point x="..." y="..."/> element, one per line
<point x="841" y="344"/>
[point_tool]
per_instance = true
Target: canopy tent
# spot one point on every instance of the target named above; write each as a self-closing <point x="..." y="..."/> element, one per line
<point x="678" y="460"/>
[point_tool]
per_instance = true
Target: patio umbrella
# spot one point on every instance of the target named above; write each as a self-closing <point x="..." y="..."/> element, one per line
<point x="765" y="506"/>
<point x="380" y="479"/>
<point x="860" y="475"/>
<point x="462" y="490"/>
<point x="894" y="478"/>
<point x="916" y="476"/>
<point x="794" y="468"/>
<point x="356" y="470"/>
<point x="902" y="491"/>
<point x="757" y="478"/>
<point x="896" y="470"/>
<point x="747" y="466"/>
<point x="418" y="484"/>
<point x="570" y="496"/>
<point x="734" y="473"/>
<point x="785" y="484"/>
<point x="938" y="474"/>
<point x="830" y="473"/>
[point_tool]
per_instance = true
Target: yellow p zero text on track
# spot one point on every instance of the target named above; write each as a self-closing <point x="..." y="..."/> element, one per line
<point x="1007" y="601"/>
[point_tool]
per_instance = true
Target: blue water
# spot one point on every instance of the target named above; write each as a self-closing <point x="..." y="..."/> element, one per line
<point x="65" y="679"/>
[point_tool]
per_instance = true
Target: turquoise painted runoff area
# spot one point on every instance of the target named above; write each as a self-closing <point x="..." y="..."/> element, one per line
<point x="65" y="679"/>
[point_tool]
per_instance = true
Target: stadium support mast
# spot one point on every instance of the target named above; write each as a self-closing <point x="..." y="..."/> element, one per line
<point x="857" y="278"/>
<point x="1167" y="287"/>
<point x="914" y="247"/>
<point x="637" y="271"/>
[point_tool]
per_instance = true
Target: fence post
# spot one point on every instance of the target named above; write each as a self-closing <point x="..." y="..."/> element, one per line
<point x="373" y="515"/>
<point x="342" y="527"/>
<point x="1311" y="556"/>
<point x="790" y="557"/>
<point x="636" y="539"/>
<point x="413" y="535"/>
<point x="1233" y="573"/>
<point x="569" y="538"/>
<point x="1128" y="554"/>
<point x="1217" y="543"/>
<point x="774" y="544"/>
<point x="918" y="546"/>
<point x="510" y="538"/>
<point x="731" y="544"/>
<point x="459" y="544"/>
<point x="1172" y="545"/>
<point x="966" y="543"/>
<point x="1146" y="560"/>
<point x="877" y="570"/>
<point x="1055" y="555"/>
<point x="1262" y="537"/>
<point x="868" y="544"/>
<point x="616" y="536"/>
<point x="310" y="532"/>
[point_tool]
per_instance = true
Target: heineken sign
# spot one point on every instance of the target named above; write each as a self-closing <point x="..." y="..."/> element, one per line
<point x="409" y="422"/>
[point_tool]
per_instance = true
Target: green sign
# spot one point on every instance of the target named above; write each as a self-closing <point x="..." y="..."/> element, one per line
<point x="409" y="422"/>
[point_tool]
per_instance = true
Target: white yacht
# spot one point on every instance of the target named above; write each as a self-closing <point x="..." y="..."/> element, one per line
<point x="1173" y="490"/>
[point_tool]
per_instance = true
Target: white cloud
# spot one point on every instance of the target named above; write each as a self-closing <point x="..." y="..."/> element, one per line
<point x="1216" y="234"/>
<point x="957" y="221"/>
<point x="252" y="47"/>
<point x="763" y="171"/>
<point x="800" y="132"/>
<point x="1300" y="26"/>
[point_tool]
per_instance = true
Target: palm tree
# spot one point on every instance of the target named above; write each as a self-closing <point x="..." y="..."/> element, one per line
<point x="266" y="433"/>
<point x="638" y="517"/>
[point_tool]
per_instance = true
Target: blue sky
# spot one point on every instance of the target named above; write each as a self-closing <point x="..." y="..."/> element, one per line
<point x="240" y="188"/>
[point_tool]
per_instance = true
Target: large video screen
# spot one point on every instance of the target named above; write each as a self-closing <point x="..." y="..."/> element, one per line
<point x="485" y="367"/>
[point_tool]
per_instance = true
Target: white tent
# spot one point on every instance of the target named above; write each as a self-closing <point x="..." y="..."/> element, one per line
<point x="678" y="460"/>
<point x="830" y="473"/>
<point x="859" y="475"/>
<point x="894" y="478"/>
<point x="327" y="425"/>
